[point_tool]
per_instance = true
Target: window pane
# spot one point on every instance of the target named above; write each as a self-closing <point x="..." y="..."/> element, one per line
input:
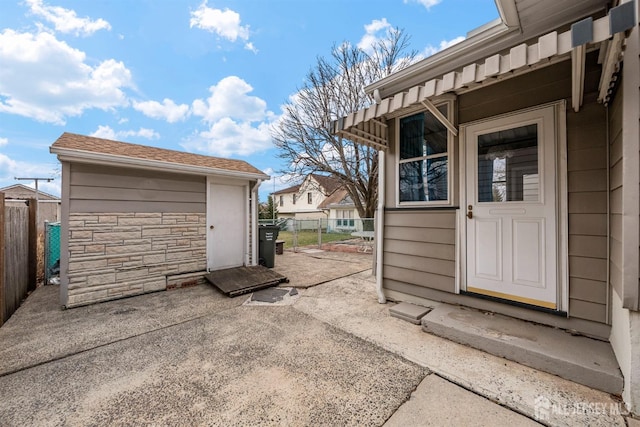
<point x="435" y="134"/>
<point x="424" y="180"/>
<point x="422" y="135"/>
<point x="411" y="136"/>
<point x="508" y="165"/>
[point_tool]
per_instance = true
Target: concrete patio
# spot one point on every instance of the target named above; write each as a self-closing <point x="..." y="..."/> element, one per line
<point x="330" y="355"/>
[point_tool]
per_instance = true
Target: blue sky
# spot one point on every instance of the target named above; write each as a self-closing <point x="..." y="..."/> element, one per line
<point x="207" y="77"/>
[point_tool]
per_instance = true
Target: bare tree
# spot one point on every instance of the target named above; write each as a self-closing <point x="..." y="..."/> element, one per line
<point x="333" y="88"/>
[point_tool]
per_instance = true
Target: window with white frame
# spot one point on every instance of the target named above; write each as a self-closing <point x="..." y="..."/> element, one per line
<point x="281" y="201"/>
<point x="345" y="219"/>
<point x="294" y="198"/>
<point x="424" y="156"/>
<point x="309" y="198"/>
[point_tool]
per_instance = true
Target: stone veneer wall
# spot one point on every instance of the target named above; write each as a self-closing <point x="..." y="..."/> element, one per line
<point x="114" y="255"/>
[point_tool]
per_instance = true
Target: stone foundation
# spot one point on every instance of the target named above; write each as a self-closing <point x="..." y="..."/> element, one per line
<point x="117" y="255"/>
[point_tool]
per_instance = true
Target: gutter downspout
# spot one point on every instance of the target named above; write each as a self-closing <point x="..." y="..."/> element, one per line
<point x="254" y="222"/>
<point x="380" y="227"/>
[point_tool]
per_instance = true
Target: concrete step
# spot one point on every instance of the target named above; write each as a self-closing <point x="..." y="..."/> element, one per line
<point x="576" y="358"/>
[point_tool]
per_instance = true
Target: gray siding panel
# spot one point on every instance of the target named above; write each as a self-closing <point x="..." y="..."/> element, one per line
<point x="420" y="278"/>
<point x="588" y="194"/>
<point x="419" y="249"/>
<point x="95" y="188"/>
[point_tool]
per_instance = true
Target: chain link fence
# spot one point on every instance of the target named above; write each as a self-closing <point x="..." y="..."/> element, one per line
<point x="330" y="234"/>
<point x="51" y="253"/>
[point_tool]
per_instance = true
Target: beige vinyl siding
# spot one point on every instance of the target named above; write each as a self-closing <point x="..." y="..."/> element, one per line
<point x="419" y="250"/>
<point x="97" y="188"/>
<point x="587" y="186"/>
<point x="615" y="196"/>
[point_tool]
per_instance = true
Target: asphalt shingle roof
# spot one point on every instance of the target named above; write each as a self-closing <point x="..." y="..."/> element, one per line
<point x="90" y="144"/>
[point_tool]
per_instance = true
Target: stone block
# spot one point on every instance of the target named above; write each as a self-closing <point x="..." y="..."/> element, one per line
<point x="86" y="265"/>
<point x="81" y="235"/>
<point x="116" y="236"/>
<point x="140" y="221"/>
<point x="174" y="255"/>
<point x="108" y="219"/>
<point x="156" y="231"/>
<point x="94" y="249"/>
<point x="155" y="285"/>
<point x="127" y="249"/>
<point x="131" y="274"/>
<point x="117" y="261"/>
<point x="154" y="259"/>
<point x="101" y="279"/>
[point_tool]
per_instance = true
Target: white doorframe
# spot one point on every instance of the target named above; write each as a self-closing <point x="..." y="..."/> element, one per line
<point x="241" y="216"/>
<point x="562" y="216"/>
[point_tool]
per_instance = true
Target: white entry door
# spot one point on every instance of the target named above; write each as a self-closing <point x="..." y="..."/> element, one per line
<point x="227" y="225"/>
<point x="511" y="208"/>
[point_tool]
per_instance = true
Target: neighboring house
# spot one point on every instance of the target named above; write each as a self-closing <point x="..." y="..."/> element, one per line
<point x="510" y="169"/>
<point x="304" y="201"/>
<point x="48" y="205"/>
<point x="342" y="212"/>
<point x="139" y="219"/>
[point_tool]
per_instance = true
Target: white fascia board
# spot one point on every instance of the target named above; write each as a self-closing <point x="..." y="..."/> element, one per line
<point x="508" y="13"/>
<point x="124" y="161"/>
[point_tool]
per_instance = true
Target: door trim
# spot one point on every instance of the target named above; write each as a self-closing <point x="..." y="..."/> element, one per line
<point x="214" y="180"/>
<point x="562" y="216"/>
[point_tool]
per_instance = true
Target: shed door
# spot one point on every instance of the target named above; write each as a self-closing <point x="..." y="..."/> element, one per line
<point x="226" y="226"/>
<point x="511" y="208"/>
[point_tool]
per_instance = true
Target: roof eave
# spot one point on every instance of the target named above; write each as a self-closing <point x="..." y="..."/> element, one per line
<point x="70" y="155"/>
<point x="496" y="31"/>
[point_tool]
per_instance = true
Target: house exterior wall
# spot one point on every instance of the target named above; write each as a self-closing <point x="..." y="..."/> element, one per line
<point x="420" y="246"/>
<point x="130" y="231"/>
<point x="624" y="135"/>
<point x="302" y="209"/>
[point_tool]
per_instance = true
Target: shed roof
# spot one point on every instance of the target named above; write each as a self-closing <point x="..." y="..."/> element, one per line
<point x="70" y="146"/>
<point x="20" y="191"/>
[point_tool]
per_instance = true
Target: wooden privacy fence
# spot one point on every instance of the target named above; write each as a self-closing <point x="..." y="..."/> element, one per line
<point x="18" y="246"/>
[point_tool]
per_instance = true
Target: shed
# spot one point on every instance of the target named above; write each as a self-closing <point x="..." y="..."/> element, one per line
<point x="138" y="219"/>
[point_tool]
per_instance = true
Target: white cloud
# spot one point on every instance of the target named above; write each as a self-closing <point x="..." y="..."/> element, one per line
<point x="251" y="47"/>
<point x="229" y="98"/>
<point x="373" y="33"/>
<point x="107" y="132"/>
<point x="426" y="3"/>
<point x="227" y="137"/>
<point x="225" y="23"/>
<point x="4" y="141"/>
<point x="430" y="50"/>
<point x="65" y="20"/>
<point x="46" y="79"/>
<point x="168" y="110"/>
<point x="238" y="123"/>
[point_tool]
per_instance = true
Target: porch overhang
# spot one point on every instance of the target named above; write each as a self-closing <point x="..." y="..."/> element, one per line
<point x="368" y="126"/>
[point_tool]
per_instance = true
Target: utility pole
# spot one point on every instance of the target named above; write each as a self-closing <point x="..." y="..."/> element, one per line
<point x="37" y="203"/>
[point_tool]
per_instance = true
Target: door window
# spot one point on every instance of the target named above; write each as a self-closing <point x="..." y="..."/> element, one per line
<point x="508" y="165"/>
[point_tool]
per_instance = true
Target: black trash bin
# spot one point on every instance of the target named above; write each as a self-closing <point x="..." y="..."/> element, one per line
<point x="267" y="247"/>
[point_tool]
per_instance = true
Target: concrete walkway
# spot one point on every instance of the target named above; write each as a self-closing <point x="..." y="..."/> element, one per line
<point x="331" y="356"/>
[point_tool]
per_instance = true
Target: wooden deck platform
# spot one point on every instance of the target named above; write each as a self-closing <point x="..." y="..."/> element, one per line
<point x="243" y="280"/>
